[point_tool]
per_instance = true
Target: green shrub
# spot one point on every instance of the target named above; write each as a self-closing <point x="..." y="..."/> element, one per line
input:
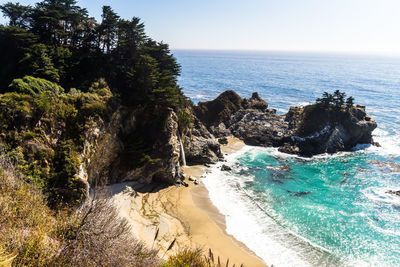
<point x="34" y="86"/>
<point x="101" y="88"/>
<point x="187" y="258"/>
<point x="94" y="107"/>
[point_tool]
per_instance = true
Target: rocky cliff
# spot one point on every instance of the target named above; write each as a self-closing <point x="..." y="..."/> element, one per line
<point x="304" y="131"/>
<point x="84" y="139"/>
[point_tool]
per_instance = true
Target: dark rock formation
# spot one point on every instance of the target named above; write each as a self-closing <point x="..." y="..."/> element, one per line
<point x="225" y="168"/>
<point x="200" y="145"/>
<point x="304" y="131"/>
<point x="223" y="141"/>
<point x="328" y="130"/>
<point x="219" y="110"/>
<point x="298" y="194"/>
<point x="109" y="154"/>
<point x="256" y="127"/>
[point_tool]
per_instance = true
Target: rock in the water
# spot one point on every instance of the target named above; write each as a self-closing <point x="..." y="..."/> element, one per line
<point x="392" y="192"/>
<point x="225" y="168"/>
<point x="391" y="166"/>
<point x="285" y="168"/>
<point x="298" y="194"/>
<point x="277" y="181"/>
<point x="329" y="130"/>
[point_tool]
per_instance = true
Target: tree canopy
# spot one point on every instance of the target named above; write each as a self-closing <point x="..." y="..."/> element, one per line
<point x="58" y="41"/>
<point x="337" y="100"/>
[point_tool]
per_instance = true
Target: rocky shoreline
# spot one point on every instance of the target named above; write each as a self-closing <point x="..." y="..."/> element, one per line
<point x="305" y="131"/>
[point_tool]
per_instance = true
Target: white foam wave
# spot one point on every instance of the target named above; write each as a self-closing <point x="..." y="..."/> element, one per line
<point x="379" y="194"/>
<point x="249" y="224"/>
<point x="385" y="231"/>
<point x="390" y="143"/>
<point x="273" y="151"/>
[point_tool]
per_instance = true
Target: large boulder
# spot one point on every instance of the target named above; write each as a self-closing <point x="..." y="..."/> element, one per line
<point x="219" y="110"/>
<point x="328" y="130"/>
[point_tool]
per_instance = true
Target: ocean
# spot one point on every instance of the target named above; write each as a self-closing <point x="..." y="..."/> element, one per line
<point x="329" y="210"/>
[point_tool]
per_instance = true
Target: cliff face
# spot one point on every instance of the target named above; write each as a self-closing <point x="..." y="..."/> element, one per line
<point x="108" y="149"/>
<point x="305" y="131"/>
<point x="111" y="150"/>
<point x="84" y="139"/>
<point x="200" y="145"/>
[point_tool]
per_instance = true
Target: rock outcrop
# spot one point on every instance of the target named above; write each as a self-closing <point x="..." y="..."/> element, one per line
<point x="328" y="130"/>
<point x="200" y="145"/>
<point x="304" y="131"/>
<point x="108" y="148"/>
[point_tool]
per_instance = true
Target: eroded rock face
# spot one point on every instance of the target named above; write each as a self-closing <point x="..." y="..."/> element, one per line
<point x="200" y="145"/>
<point x="106" y="153"/>
<point x="167" y="168"/>
<point x="320" y="130"/>
<point x="261" y="128"/>
<point x="305" y="131"/>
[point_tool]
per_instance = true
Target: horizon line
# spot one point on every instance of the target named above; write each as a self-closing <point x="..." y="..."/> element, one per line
<point x="337" y="52"/>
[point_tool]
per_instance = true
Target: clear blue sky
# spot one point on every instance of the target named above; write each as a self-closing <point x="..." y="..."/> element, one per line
<point x="364" y="26"/>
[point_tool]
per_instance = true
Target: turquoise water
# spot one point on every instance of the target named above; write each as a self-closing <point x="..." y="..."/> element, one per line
<point x="329" y="210"/>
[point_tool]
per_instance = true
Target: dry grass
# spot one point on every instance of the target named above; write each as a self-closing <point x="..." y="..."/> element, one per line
<point x="101" y="238"/>
<point x="33" y="235"/>
<point x="25" y="221"/>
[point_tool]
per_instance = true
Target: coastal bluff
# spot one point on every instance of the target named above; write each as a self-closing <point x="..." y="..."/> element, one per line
<point x="304" y="131"/>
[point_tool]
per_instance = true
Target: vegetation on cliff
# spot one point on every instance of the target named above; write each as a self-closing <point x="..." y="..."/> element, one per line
<point x="63" y="72"/>
<point x="337" y="100"/>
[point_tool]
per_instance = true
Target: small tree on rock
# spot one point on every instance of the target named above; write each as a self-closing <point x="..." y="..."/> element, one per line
<point x="349" y="102"/>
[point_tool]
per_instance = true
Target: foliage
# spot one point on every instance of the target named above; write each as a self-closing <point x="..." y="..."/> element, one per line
<point x="101" y="88"/>
<point x="59" y="42"/>
<point x="186" y="257"/>
<point x="337" y="100"/>
<point x="29" y="123"/>
<point x="195" y="258"/>
<point x="184" y="119"/>
<point x="349" y="102"/>
<point x="55" y="44"/>
<point x="33" y="86"/>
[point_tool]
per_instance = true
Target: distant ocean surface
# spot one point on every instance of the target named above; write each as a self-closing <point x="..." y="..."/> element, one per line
<point x="347" y="218"/>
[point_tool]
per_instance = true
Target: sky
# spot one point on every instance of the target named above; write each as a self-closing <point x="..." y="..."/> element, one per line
<point x="356" y="26"/>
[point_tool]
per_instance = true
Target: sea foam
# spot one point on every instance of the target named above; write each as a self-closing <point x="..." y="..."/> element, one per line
<point x="251" y="224"/>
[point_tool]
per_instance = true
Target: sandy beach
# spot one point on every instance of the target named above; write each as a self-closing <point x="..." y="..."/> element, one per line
<point x="184" y="213"/>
